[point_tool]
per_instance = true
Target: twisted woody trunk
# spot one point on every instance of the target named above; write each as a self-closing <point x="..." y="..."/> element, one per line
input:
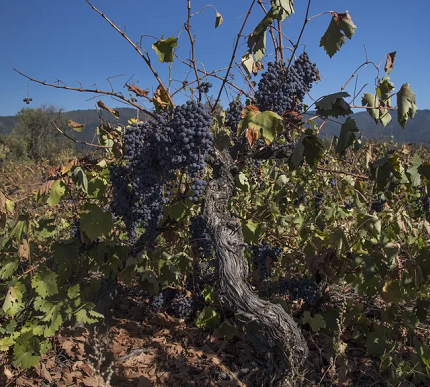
<point x="281" y="331"/>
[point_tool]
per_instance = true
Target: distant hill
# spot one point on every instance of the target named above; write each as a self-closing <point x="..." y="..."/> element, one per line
<point x="90" y="118"/>
<point x="416" y="131"/>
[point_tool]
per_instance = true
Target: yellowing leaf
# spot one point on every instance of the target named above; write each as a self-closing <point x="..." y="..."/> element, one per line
<point x="164" y="48"/>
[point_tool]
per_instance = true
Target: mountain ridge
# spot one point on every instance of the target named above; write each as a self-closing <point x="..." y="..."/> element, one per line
<point x="416" y="131"/>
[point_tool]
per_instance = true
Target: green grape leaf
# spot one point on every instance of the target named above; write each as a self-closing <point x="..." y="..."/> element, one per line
<point x="282" y="8"/>
<point x="268" y="123"/>
<point x="46" y="228"/>
<point x="387" y="173"/>
<point x="97" y="187"/>
<point x="218" y="20"/>
<point x="347" y="135"/>
<point x="424" y="170"/>
<point x="149" y="282"/>
<point x="391" y="291"/>
<point x="379" y="111"/>
<point x="413" y="171"/>
<point x="297" y="156"/>
<point x="392" y="250"/>
<point x="54" y="318"/>
<point x="168" y="273"/>
<point x="7" y="269"/>
<point x="226" y="330"/>
<point x="96" y="221"/>
<point x="384" y="90"/>
<point x="406" y="107"/>
<point x="13" y="301"/>
<point x="377" y="341"/>
<point x="317" y="322"/>
<point x="257" y="39"/>
<point x="74" y="292"/>
<point x="248" y="64"/>
<point x="242" y="182"/>
<point x="250" y="231"/>
<point x="208" y="318"/>
<point x="177" y="210"/>
<point x="333" y="105"/>
<point x="280" y="182"/>
<point x="208" y="294"/>
<point x="20" y="228"/>
<point x="6" y="343"/>
<point x="313" y="147"/>
<point x="340" y="28"/>
<point x="80" y="179"/>
<point x="57" y="191"/>
<point x="88" y="316"/>
<point x="222" y="140"/>
<point x="26" y="351"/>
<point x="45" y="284"/>
<point x="164" y="48"/>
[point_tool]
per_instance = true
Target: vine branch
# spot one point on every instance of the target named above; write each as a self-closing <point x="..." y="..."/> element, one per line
<point x="233" y="55"/>
<point x="146" y="59"/>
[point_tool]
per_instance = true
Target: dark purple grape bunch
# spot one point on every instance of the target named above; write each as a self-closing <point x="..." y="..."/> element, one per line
<point x="198" y="188"/>
<point x="200" y="237"/>
<point x="318" y="199"/>
<point x="27" y="100"/>
<point x="281" y="90"/>
<point x="233" y="117"/>
<point x="260" y="254"/>
<point x="378" y="204"/>
<point x="204" y="87"/>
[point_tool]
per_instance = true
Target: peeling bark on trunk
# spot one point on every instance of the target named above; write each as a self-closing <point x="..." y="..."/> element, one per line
<point x="289" y="346"/>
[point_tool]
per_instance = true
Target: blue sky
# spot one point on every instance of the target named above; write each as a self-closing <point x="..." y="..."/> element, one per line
<point x="67" y="40"/>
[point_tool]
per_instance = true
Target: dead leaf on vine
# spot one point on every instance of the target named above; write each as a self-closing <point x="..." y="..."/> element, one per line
<point x="252" y="134"/>
<point x="138" y="91"/>
<point x="76" y="125"/>
<point x="45" y="187"/>
<point x="24" y="249"/>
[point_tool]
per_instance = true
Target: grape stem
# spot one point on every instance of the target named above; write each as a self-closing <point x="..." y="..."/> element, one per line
<point x="80" y="142"/>
<point x="94" y="91"/>
<point x="233" y="55"/>
<point x="145" y="58"/>
<point x="193" y="53"/>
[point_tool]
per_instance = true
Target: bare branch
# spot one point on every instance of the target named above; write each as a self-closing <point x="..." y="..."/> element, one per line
<point x="77" y="141"/>
<point x="146" y="59"/>
<point x="95" y="91"/>
<point x="301" y="34"/>
<point x="234" y="53"/>
<point x="193" y="53"/>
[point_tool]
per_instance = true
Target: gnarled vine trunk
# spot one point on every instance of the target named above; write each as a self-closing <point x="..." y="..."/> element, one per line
<point x="289" y="346"/>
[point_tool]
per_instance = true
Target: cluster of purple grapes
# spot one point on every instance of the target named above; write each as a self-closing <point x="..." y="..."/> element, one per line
<point x="348" y="205"/>
<point x="332" y="182"/>
<point x="200" y="236"/>
<point x="423" y="204"/>
<point x="182" y="307"/>
<point x="280" y="90"/>
<point x="378" y="204"/>
<point x="305" y="289"/>
<point x="175" y="302"/>
<point x="318" y="200"/>
<point x="27" y="100"/>
<point x="204" y="87"/>
<point x="153" y="151"/>
<point x="233" y="117"/>
<point x="260" y="254"/>
<point x="300" y="200"/>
